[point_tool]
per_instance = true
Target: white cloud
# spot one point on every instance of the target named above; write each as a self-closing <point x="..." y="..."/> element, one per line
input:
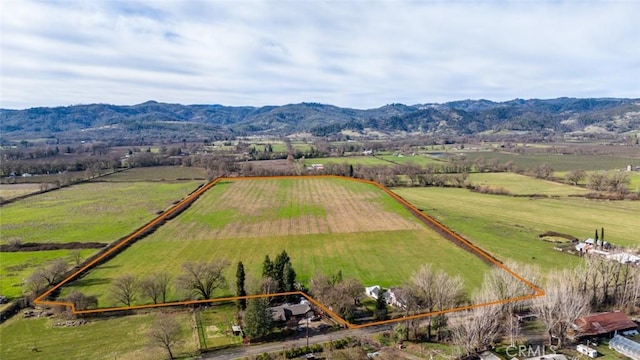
<point x="358" y="53"/>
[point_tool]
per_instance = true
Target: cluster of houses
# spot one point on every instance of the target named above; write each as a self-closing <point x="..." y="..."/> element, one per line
<point x="603" y="248"/>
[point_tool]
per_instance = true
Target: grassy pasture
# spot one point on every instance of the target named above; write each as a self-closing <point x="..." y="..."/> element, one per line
<point x="15" y="267"/>
<point x="558" y="162"/>
<point x="10" y="191"/>
<point x="352" y="160"/>
<point x="157" y="173"/>
<point x="107" y="338"/>
<point x="524" y="185"/>
<point x="508" y="226"/>
<point x="101" y="212"/>
<point x="420" y="160"/>
<point x="325" y="225"/>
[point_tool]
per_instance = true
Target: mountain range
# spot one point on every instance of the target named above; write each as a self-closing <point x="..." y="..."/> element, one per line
<point x="591" y="117"/>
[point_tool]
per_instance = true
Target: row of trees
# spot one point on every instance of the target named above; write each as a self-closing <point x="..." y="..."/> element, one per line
<point x="595" y="285"/>
<point x="198" y="280"/>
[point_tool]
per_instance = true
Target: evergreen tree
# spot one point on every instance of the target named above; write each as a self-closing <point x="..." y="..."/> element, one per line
<point x="278" y="269"/>
<point x="240" y="291"/>
<point x="381" y="306"/>
<point x="289" y="277"/>
<point x="596" y="235"/>
<point x="602" y="234"/>
<point x="257" y="319"/>
<point x="267" y="267"/>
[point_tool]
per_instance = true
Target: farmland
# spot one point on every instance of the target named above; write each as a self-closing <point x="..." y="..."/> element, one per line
<point x="10" y="191"/>
<point x="325" y="225"/>
<point x="100" y="212"/>
<point x="558" y="162"/>
<point x="508" y="226"/>
<point x="158" y="173"/>
<point x="524" y="185"/>
<point x="110" y="338"/>
<point x="15" y="267"/>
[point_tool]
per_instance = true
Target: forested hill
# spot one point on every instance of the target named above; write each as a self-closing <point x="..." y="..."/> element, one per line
<point x="604" y="116"/>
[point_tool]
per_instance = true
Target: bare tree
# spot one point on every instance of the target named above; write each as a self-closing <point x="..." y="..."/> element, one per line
<point x="575" y="176"/>
<point x="563" y="303"/>
<point x="352" y="288"/>
<point x="165" y="332"/>
<point x="434" y="290"/>
<point x="125" y="289"/>
<point x="54" y="270"/>
<point x="202" y="278"/>
<point x="76" y="257"/>
<point x="156" y="287"/>
<point x="81" y="301"/>
<point x="36" y="282"/>
<point x="477" y="331"/>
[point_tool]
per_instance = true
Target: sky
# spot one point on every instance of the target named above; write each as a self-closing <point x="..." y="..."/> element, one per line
<point x="360" y="53"/>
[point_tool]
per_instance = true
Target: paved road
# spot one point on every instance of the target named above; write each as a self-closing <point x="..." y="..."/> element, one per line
<point x="253" y="350"/>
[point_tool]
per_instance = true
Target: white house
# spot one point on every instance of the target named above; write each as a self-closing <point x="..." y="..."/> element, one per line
<point x="373" y="291"/>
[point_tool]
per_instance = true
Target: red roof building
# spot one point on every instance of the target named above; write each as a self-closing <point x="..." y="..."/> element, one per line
<point x="603" y="324"/>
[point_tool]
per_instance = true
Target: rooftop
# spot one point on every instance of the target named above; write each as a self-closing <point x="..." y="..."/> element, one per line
<point x="603" y="323"/>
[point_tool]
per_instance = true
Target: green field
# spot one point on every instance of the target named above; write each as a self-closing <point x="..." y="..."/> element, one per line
<point x="15" y="267"/>
<point x="325" y="225"/>
<point x="558" y="162"/>
<point x="420" y="160"/>
<point x="101" y="212"/>
<point x="352" y="160"/>
<point x="108" y="338"/>
<point x="524" y="185"/>
<point x="216" y="322"/>
<point x="157" y="173"/>
<point x="508" y="226"/>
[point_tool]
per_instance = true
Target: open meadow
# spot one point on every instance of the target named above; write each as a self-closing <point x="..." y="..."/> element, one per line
<point x="100" y="338"/>
<point x="325" y="225"/>
<point x="508" y="227"/>
<point x="11" y="191"/>
<point x="517" y="184"/>
<point x="89" y="212"/>
<point x="558" y="162"/>
<point x="157" y="173"/>
<point x="15" y="267"/>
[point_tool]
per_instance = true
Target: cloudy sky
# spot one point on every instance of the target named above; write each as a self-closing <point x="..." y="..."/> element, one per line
<point x="360" y="54"/>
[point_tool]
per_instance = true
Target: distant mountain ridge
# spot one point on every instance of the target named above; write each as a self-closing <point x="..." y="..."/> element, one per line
<point x="466" y="117"/>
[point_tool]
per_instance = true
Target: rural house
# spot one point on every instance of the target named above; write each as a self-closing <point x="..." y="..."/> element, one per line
<point x="293" y="313"/>
<point x="373" y="291"/>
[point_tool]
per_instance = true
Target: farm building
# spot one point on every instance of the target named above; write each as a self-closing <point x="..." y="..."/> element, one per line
<point x="603" y="325"/>
<point x="625" y="347"/>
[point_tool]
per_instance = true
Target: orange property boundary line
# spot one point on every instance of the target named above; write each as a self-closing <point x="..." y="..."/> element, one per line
<point x="41" y="300"/>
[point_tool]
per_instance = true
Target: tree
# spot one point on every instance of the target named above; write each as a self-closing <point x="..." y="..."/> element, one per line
<point x="543" y="171"/>
<point x="156" y="287"/>
<point x="76" y="257"/>
<point x="36" y="282"/>
<point x="381" y="306"/>
<point x="267" y="267"/>
<point x="55" y="270"/>
<point x="165" y="332"/>
<point x="125" y="289"/>
<point x="257" y="319"/>
<point x="562" y="305"/>
<point x="279" y="265"/>
<point x="575" y="176"/>
<point x="81" y="301"/>
<point x="240" y="291"/>
<point x="202" y="278"/>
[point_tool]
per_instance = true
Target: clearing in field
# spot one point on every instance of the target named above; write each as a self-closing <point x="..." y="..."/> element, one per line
<point x="517" y="184"/>
<point x="324" y="224"/>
